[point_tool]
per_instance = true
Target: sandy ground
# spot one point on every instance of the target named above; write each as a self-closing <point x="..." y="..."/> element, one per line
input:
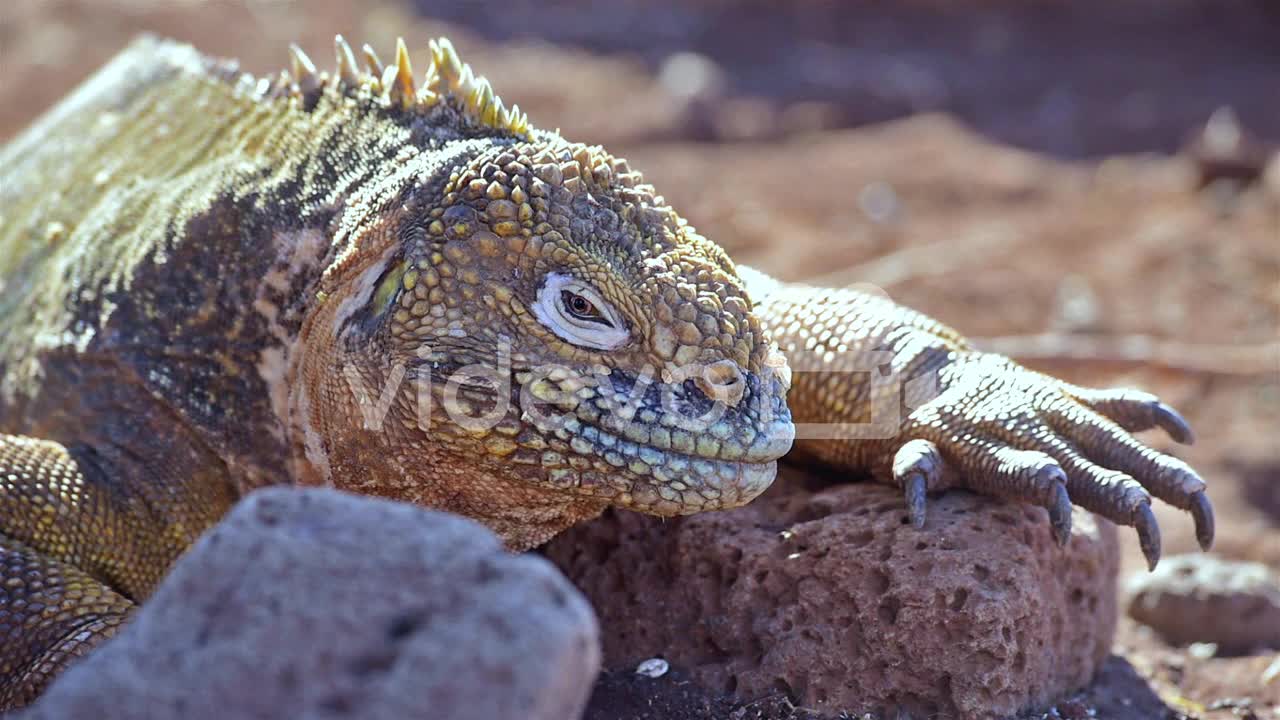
<point x="1011" y="168"/>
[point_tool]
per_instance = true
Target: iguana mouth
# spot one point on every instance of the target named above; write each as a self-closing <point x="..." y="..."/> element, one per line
<point x="666" y="451"/>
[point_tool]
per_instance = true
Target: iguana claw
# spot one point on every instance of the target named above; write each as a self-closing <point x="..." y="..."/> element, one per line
<point x="1173" y="423"/>
<point x="1202" y="511"/>
<point x="915" y="495"/>
<point x="1060" y="515"/>
<point x="917" y="467"/>
<point x="1144" y="521"/>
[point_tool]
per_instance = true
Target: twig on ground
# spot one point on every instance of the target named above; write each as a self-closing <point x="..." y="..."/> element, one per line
<point x="1127" y="351"/>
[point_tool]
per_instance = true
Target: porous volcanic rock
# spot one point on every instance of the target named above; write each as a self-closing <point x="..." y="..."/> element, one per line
<point x="831" y="596"/>
<point x="1202" y="598"/>
<point x="314" y="603"/>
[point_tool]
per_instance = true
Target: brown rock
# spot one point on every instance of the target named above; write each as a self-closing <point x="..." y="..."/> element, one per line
<point x="318" y="604"/>
<point x="1201" y="598"/>
<point x="832" y="597"/>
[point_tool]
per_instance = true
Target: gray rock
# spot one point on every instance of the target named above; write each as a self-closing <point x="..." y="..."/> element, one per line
<point x="1204" y="599"/>
<point x="315" y="603"/>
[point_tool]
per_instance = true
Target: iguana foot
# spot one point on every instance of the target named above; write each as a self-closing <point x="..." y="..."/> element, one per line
<point x="1002" y="430"/>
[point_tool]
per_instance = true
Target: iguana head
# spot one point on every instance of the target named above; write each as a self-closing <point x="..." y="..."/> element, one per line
<point x="526" y="332"/>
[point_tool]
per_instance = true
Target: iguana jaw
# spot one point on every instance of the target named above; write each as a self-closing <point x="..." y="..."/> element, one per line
<point x="655" y="447"/>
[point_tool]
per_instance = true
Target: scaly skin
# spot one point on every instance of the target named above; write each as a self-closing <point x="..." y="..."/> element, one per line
<point x="213" y="283"/>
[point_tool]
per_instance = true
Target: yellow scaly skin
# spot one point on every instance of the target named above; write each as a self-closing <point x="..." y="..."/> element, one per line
<point x="212" y="282"/>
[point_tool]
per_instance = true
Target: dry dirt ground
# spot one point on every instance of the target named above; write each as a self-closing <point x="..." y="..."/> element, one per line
<point x="1010" y="168"/>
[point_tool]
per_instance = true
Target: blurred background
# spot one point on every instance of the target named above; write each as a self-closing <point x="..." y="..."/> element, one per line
<point x="1091" y="187"/>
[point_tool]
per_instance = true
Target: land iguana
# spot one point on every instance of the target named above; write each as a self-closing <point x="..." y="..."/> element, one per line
<point x="211" y="282"/>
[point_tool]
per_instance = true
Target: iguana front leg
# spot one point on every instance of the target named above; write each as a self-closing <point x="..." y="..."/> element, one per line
<point x="958" y="417"/>
<point x="79" y="546"/>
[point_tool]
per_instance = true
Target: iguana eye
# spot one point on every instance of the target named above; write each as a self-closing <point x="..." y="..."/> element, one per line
<point x="582" y="308"/>
<point x="575" y="312"/>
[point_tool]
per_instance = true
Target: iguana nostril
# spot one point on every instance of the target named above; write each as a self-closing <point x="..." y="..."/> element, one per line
<point x="722" y="381"/>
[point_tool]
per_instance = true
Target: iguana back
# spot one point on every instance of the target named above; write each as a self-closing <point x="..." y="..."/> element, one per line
<point x="166" y="224"/>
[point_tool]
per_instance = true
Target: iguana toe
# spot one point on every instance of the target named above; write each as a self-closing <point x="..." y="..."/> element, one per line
<point x="1136" y="411"/>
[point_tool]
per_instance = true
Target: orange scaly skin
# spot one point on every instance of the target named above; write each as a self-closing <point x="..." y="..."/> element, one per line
<point x="210" y="283"/>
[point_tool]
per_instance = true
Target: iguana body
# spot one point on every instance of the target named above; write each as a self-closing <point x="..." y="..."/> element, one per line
<point x="212" y="282"/>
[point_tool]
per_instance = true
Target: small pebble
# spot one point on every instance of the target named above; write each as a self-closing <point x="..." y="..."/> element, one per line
<point x="1202" y="650"/>
<point x="879" y="202"/>
<point x="653" y="668"/>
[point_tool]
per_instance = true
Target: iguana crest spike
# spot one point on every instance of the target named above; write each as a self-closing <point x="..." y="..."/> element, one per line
<point x="447" y="63"/>
<point x="401" y="91"/>
<point x="348" y="71"/>
<point x="372" y="63"/>
<point x="302" y="69"/>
